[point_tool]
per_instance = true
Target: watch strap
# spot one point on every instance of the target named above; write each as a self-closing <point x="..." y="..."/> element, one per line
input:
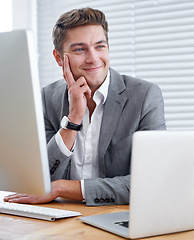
<point x="74" y="126"/>
<point x="66" y="124"/>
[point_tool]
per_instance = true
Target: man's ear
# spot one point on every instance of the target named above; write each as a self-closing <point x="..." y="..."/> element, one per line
<point x="57" y="57"/>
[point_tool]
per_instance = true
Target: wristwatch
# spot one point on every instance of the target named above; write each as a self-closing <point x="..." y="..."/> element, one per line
<point x="66" y="124"/>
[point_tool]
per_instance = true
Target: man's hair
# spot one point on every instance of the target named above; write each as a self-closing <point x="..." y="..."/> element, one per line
<point x="77" y="18"/>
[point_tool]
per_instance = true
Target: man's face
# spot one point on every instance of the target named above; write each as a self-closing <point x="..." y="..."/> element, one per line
<point x="88" y="53"/>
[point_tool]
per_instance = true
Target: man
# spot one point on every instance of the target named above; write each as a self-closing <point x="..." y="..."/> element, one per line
<point x="91" y="116"/>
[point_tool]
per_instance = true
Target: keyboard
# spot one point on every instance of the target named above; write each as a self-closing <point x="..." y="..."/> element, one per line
<point x="32" y="211"/>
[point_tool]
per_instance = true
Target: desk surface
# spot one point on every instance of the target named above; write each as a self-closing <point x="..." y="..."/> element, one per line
<point x="13" y="227"/>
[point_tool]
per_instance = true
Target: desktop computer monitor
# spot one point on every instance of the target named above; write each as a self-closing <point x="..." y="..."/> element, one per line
<point x="23" y="152"/>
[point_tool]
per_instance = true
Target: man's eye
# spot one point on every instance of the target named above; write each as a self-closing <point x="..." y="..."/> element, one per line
<point x="79" y="50"/>
<point x="101" y="46"/>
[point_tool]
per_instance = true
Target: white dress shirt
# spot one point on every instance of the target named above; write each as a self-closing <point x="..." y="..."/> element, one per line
<point x="84" y="157"/>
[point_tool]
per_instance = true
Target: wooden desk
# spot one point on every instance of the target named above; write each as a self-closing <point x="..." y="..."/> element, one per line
<point x="13" y="227"/>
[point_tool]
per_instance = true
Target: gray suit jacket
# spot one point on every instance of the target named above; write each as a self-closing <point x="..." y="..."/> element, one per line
<point x="132" y="105"/>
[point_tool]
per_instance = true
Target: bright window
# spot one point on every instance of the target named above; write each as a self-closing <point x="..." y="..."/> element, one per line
<point x="6" y="15"/>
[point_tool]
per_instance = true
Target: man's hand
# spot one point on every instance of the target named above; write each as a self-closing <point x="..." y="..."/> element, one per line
<point x="78" y="91"/>
<point x="70" y="189"/>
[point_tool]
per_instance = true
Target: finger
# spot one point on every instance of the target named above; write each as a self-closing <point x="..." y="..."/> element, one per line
<point x="22" y="198"/>
<point x="13" y="196"/>
<point x="33" y="199"/>
<point x="86" y="90"/>
<point x="81" y="82"/>
<point x="88" y="94"/>
<point x="67" y="72"/>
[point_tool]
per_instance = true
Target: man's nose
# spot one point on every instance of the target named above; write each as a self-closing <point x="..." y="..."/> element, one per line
<point x="91" y="56"/>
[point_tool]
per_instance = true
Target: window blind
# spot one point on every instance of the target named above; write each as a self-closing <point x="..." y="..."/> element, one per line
<point x="164" y="54"/>
<point x="149" y="39"/>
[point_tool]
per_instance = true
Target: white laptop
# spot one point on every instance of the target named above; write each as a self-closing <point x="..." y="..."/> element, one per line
<point x="162" y="187"/>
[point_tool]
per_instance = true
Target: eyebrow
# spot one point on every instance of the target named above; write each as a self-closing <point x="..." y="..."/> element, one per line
<point x="84" y="44"/>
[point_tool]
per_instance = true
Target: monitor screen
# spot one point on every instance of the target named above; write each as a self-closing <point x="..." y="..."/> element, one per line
<point x="23" y="156"/>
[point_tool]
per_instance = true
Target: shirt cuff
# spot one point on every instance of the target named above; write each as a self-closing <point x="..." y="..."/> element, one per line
<point x="83" y="189"/>
<point x="62" y="145"/>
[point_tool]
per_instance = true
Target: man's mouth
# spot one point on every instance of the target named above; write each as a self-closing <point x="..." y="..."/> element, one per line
<point x="92" y="69"/>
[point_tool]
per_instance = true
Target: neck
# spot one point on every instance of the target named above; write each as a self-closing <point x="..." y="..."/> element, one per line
<point x="91" y="106"/>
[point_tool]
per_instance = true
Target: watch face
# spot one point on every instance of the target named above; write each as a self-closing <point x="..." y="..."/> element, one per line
<point x="64" y="122"/>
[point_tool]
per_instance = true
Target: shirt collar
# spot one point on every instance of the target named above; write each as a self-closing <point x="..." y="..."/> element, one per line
<point x="102" y="91"/>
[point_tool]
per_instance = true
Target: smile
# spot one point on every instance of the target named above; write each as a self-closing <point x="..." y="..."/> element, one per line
<point x="92" y="69"/>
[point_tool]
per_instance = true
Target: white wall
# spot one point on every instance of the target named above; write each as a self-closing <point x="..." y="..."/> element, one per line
<point x="24" y="15"/>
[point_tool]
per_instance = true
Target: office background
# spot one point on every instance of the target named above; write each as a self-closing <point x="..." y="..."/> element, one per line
<point x="149" y="39"/>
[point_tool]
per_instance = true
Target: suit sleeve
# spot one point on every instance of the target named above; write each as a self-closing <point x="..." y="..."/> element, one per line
<point x="107" y="191"/>
<point x="59" y="163"/>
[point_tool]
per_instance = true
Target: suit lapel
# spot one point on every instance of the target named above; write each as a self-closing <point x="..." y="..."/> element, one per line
<point x="112" y="110"/>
